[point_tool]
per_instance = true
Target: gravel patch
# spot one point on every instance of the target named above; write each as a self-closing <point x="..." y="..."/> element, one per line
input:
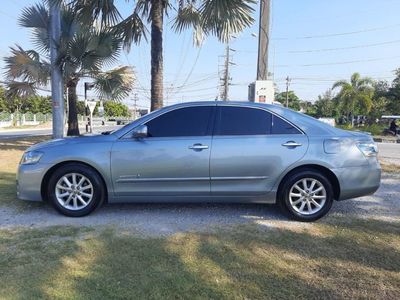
<point x="167" y="219"/>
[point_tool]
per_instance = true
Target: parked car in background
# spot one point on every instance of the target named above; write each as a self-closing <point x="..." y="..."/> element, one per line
<point x="206" y="152"/>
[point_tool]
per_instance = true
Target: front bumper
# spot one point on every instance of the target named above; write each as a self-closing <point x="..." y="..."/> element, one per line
<point x="358" y="181"/>
<point x="29" y="181"/>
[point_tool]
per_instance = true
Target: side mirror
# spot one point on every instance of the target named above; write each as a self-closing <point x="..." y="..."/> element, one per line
<point x="140" y="132"/>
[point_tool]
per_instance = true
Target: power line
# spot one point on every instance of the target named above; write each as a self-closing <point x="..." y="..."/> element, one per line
<point x="337" y="34"/>
<point x="339" y="63"/>
<point x="197" y="90"/>
<point x="345" y="48"/>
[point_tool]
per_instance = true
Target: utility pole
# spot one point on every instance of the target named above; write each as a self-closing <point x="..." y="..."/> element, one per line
<point x="56" y="76"/>
<point x="135" y="100"/>
<point x="263" y="40"/>
<point x="288" y="80"/>
<point x="87" y="86"/>
<point x="225" y="84"/>
<point x="226" y="74"/>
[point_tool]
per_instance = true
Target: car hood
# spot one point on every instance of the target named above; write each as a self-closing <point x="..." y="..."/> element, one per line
<point x="71" y="140"/>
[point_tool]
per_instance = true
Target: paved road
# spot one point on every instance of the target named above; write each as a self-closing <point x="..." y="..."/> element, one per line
<point x="10" y="133"/>
<point x="390" y="152"/>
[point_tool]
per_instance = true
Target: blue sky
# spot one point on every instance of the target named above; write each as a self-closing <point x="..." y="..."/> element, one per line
<point x="314" y="42"/>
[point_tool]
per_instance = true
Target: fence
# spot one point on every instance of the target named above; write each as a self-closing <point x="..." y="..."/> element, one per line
<point x="9" y="120"/>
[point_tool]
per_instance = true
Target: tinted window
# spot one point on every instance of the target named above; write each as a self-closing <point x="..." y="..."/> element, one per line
<point x="242" y="121"/>
<point x="280" y="126"/>
<point x="190" y="121"/>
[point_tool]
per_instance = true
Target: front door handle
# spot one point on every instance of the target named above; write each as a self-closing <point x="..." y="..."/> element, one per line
<point x="291" y="144"/>
<point x="198" y="147"/>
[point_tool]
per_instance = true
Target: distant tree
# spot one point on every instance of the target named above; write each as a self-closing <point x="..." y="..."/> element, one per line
<point x="354" y="97"/>
<point x="37" y="104"/>
<point x="294" y="101"/>
<point x="115" y="109"/>
<point x="393" y="95"/>
<point x="324" y="106"/>
<point x="308" y="108"/>
<point x="379" y="101"/>
<point x="3" y="102"/>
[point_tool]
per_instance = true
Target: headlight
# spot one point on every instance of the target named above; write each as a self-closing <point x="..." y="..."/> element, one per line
<point x="368" y="148"/>
<point x="31" y="157"/>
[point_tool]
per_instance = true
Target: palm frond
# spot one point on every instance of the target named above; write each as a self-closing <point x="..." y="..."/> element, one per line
<point x="132" y="29"/>
<point x="27" y="66"/>
<point x="183" y="3"/>
<point x="20" y="89"/>
<point x="103" y="10"/>
<point x="115" y="84"/>
<point x="70" y="24"/>
<point x="224" y="18"/>
<point x="340" y="84"/>
<point x="355" y="77"/>
<point x="187" y="17"/>
<point x="36" y="16"/>
<point x="365" y="83"/>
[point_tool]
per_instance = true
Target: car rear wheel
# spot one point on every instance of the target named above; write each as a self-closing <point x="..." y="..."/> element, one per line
<point x="75" y="190"/>
<point x="306" y="195"/>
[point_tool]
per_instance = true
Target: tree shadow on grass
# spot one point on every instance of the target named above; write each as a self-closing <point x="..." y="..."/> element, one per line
<point x="21" y="144"/>
<point x="343" y="261"/>
<point x="349" y="260"/>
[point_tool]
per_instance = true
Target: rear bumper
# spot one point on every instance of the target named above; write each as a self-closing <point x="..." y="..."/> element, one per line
<point x="358" y="181"/>
<point x="29" y="181"/>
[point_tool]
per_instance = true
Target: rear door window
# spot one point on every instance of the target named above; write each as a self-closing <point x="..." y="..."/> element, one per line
<point x="233" y="120"/>
<point x="280" y="126"/>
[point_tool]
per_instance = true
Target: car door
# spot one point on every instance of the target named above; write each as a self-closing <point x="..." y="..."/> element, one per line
<point x="251" y="147"/>
<point x="172" y="160"/>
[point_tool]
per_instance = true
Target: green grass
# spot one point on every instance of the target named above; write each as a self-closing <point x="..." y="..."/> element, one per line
<point x="342" y="259"/>
<point x="11" y="152"/>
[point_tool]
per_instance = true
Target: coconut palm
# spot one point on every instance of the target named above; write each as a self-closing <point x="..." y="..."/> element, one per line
<point x="84" y="49"/>
<point x="221" y="18"/>
<point x="355" y="97"/>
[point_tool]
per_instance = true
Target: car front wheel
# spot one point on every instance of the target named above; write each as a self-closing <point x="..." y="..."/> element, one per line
<point x="306" y="195"/>
<point x="75" y="190"/>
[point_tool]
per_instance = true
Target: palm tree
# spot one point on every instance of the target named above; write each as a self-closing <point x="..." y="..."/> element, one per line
<point x="355" y="97"/>
<point x="221" y="18"/>
<point x="84" y="49"/>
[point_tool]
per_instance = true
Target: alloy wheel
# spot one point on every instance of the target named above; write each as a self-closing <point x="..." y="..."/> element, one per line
<point x="74" y="191"/>
<point x="307" y="196"/>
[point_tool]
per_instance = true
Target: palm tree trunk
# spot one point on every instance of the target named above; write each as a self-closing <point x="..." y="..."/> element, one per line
<point x="157" y="15"/>
<point x="73" y="126"/>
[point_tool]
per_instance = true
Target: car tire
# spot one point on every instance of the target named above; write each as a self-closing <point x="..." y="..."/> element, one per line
<point x="75" y="190"/>
<point x="306" y="195"/>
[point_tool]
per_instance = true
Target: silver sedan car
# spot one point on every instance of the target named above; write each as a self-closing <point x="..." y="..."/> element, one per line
<point x="205" y="152"/>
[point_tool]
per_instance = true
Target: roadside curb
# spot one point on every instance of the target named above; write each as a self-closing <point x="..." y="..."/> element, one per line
<point x="383" y="140"/>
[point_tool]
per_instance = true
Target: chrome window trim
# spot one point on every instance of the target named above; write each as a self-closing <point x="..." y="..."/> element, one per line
<point x="217" y="104"/>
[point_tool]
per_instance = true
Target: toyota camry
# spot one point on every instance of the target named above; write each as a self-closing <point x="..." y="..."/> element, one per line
<point x="227" y="152"/>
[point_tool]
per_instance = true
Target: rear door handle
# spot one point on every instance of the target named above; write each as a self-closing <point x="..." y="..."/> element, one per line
<point x="198" y="147"/>
<point x="291" y="144"/>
